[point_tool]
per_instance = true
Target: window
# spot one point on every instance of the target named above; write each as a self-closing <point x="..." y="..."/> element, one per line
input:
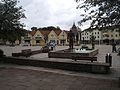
<point x="116" y="35"/>
<point x="98" y="32"/>
<point x="37" y="41"/>
<point x="95" y="32"/>
<point x="111" y="35"/>
<point x="52" y="35"/>
<point x="98" y="36"/>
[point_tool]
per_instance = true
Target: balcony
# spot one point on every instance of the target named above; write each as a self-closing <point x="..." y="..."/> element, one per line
<point x="27" y="38"/>
<point x="37" y="38"/>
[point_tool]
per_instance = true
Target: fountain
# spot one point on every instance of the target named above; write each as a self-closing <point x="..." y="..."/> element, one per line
<point x="75" y="52"/>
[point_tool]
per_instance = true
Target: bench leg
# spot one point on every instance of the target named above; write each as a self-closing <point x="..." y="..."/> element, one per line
<point x="75" y="59"/>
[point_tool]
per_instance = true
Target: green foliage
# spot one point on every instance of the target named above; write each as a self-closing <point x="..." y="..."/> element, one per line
<point x="34" y="28"/>
<point x="101" y="13"/>
<point x="92" y="39"/>
<point x="10" y="15"/>
<point x="50" y="28"/>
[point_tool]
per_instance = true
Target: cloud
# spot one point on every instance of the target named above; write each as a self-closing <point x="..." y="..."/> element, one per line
<point x="42" y="13"/>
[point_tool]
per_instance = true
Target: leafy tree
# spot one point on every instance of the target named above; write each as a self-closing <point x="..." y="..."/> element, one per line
<point x="101" y="13"/>
<point x="10" y="15"/>
<point x="50" y="28"/>
<point x="34" y="28"/>
<point x="92" y="39"/>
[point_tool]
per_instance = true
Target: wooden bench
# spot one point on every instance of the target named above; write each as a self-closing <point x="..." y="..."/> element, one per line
<point x="84" y="58"/>
<point x="26" y="52"/>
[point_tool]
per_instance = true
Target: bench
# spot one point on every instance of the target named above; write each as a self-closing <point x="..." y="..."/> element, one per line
<point x="26" y="52"/>
<point x="75" y="58"/>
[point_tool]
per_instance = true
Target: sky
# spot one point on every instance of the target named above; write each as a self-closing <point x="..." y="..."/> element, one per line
<point x="43" y="13"/>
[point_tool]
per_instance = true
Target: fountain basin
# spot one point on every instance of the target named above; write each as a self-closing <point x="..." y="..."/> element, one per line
<point x="67" y="53"/>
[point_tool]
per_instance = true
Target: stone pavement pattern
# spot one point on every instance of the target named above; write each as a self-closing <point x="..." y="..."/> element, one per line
<point x="103" y="50"/>
<point x="24" y="79"/>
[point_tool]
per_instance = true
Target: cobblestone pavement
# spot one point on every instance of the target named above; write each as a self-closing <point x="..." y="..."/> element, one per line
<point x="26" y="79"/>
<point x="13" y="78"/>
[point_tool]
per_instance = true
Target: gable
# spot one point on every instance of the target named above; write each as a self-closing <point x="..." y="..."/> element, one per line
<point x="62" y="35"/>
<point x="38" y="34"/>
<point x="52" y="34"/>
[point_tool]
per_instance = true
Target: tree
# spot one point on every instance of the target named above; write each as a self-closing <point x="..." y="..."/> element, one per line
<point x="101" y="13"/>
<point x="10" y="15"/>
<point x="34" y="28"/>
<point x="92" y="39"/>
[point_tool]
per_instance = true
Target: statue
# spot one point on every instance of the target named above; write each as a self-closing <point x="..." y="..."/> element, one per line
<point x="71" y="39"/>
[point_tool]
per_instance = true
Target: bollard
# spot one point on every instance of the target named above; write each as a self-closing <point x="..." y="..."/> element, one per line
<point x="108" y="59"/>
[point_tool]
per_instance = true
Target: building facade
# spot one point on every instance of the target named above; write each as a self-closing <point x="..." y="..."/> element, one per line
<point x="105" y="36"/>
<point x="59" y="37"/>
<point x="38" y="37"/>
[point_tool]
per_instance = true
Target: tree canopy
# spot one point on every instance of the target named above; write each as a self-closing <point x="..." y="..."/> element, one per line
<point x="10" y="15"/>
<point x="50" y="28"/>
<point x="101" y="13"/>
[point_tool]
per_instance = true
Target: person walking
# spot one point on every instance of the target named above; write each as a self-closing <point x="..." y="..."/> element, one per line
<point x="113" y="46"/>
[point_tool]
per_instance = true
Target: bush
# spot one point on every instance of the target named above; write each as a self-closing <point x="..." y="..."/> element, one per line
<point x="1" y="53"/>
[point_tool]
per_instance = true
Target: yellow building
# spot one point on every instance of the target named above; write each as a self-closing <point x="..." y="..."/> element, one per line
<point x="63" y="38"/>
<point x="41" y="37"/>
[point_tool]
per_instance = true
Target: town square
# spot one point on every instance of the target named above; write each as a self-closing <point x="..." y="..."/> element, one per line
<point x="59" y="45"/>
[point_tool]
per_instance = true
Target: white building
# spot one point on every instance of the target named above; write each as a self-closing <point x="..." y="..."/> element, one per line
<point x="86" y="35"/>
<point x="105" y="36"/>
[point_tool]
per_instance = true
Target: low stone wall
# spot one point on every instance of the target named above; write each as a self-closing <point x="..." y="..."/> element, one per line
<point x="91" y="67"/>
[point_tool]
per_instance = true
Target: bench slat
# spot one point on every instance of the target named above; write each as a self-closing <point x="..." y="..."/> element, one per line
<point x="85" y="58"/>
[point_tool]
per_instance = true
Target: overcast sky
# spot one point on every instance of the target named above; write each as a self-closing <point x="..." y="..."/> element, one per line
<point x="43" y="13"/>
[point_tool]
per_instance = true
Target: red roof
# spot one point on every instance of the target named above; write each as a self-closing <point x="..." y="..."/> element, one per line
<point x="33" y="32"/>
<point x="44" y="32"/>
<point x="57" y="32"/>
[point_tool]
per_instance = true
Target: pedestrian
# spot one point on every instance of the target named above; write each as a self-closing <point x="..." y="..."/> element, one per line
<point x="113" y="46"/>
<point x="118" y="51"/>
